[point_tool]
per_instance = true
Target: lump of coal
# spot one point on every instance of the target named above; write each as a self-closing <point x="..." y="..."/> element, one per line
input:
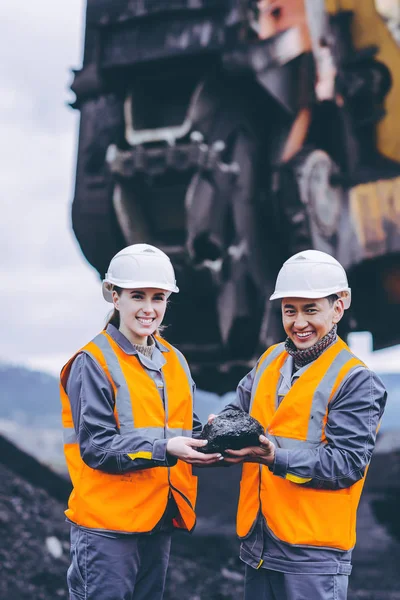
<point x="233" y="429"/>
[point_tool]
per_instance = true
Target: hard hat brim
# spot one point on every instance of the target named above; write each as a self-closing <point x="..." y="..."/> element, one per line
<point x="107" y="284"/>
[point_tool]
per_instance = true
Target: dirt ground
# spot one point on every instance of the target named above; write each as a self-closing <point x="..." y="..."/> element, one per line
<point x="205" y="565"/>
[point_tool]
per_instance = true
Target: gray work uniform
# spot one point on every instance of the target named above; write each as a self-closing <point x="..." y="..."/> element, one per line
<point x="109" y="565"/>
<point x="276" y="570"/>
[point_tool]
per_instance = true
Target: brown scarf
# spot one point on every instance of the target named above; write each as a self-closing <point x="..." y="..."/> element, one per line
<point x="146" y="350"/>
<point x="303" y="357"/>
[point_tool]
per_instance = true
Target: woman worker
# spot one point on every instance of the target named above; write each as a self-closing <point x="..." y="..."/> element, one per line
<point x="127" y="412"/>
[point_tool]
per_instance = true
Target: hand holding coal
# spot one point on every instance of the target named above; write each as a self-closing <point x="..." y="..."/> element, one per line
<point x="233" y="429"/>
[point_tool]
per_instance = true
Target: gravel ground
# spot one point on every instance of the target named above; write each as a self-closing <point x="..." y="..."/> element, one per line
<point x="210" y="569"/>
<point x="31" y="567"/>
<point x="34" y="541"/>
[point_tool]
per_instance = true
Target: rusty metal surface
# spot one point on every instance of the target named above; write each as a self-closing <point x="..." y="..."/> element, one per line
<point x="232" y="134"/>
<point x="375" y="210"/>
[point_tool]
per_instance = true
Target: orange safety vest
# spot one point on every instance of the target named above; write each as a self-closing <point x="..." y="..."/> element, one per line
<point x="133" y="502"/>
<point x="296" y="514"/>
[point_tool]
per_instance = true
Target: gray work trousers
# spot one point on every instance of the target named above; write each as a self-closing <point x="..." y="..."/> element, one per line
<point x="131" y="567"/>
<point x="263" y="584"/>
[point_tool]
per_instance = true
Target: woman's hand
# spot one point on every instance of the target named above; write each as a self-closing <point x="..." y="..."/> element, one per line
<point x="263" y="454"/>
<point x="184" y="448"/>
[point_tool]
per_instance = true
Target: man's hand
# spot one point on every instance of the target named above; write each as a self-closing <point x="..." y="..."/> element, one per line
<point x="211" y="418"/>
<point x="263" y="454"/>
<point x="184" y="448"/>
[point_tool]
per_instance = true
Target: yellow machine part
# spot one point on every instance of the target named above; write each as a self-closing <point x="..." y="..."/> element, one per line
<point x="375" y="209"/>
<point x="369" y="28"/>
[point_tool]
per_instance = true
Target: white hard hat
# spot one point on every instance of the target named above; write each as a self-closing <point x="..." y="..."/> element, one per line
<point x="139" y="266"/>
<point x="312" y="274"/>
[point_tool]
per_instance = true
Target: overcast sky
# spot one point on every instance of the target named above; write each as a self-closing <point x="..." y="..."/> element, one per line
<point x="51" y="300"/>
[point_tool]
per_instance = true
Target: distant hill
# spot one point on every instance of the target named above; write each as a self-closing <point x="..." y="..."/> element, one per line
<point x="30" y="410"/>
<point x="207" y="403"/>
<point x="31" y="398"/>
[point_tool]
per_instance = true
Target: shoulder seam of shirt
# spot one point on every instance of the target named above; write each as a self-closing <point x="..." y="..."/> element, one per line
<point x="100" y="371"/>
<point x="346" y="380"/>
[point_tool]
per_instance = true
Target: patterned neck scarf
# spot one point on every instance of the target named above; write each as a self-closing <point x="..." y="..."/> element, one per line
<point x="146" y="350"/>
<point x="303" y="357"/>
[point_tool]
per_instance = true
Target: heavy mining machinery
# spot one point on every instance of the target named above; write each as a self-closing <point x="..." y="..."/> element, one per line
<point x="232" y="134"/>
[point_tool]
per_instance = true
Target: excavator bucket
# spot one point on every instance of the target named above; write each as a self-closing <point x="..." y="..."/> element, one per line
<point x="232" y="134"/>
<point x="374" y="200"/>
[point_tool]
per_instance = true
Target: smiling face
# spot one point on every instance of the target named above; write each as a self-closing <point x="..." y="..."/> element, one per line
<point x="307" y="321"/>
<point x="141" y="312"/>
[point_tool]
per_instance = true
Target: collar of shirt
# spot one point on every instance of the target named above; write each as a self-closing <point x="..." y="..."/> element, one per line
<point x="288" y="377"/>
<point x="154" y="363"/>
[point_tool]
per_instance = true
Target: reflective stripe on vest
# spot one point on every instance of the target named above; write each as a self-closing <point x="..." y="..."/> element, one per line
<point x="296" y="514"/>
<point x="123" y="400"/>
<point x="266" y="359"/>
<point x="134" y="501"/>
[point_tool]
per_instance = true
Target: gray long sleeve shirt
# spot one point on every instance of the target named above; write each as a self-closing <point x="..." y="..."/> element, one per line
<point x="353" y="418"/>
<point x="92" y="403"/>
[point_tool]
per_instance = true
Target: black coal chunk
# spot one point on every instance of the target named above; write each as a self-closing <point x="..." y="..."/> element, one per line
<point x="233" y="429"/>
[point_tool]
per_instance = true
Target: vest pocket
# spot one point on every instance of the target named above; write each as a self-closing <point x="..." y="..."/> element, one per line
<point x="324" y="518"/>
<point x="308" y="517"/>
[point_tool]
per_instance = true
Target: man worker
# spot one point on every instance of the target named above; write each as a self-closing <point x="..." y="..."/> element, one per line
<point x="320" y="407"/>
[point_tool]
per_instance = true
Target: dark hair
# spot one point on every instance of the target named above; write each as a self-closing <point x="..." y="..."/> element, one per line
<point x="332" y="299"/>
<point x="114" y="318"/>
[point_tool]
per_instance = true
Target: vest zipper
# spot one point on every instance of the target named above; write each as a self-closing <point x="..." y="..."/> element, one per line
<point x="165" y="432"/>
<point x="166" y="429"/>
<point x="165" y="404"/>
<point x="180" y="493"/>
<point x="169" y="482"/>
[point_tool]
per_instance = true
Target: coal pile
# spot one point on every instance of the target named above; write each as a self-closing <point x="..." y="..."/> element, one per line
<point x="34" y="541"/>
<point x="376" y="558"/>
<point x="384" y="485"/>
<point x="233" y="429"/>
<point x="204" y="568"/>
